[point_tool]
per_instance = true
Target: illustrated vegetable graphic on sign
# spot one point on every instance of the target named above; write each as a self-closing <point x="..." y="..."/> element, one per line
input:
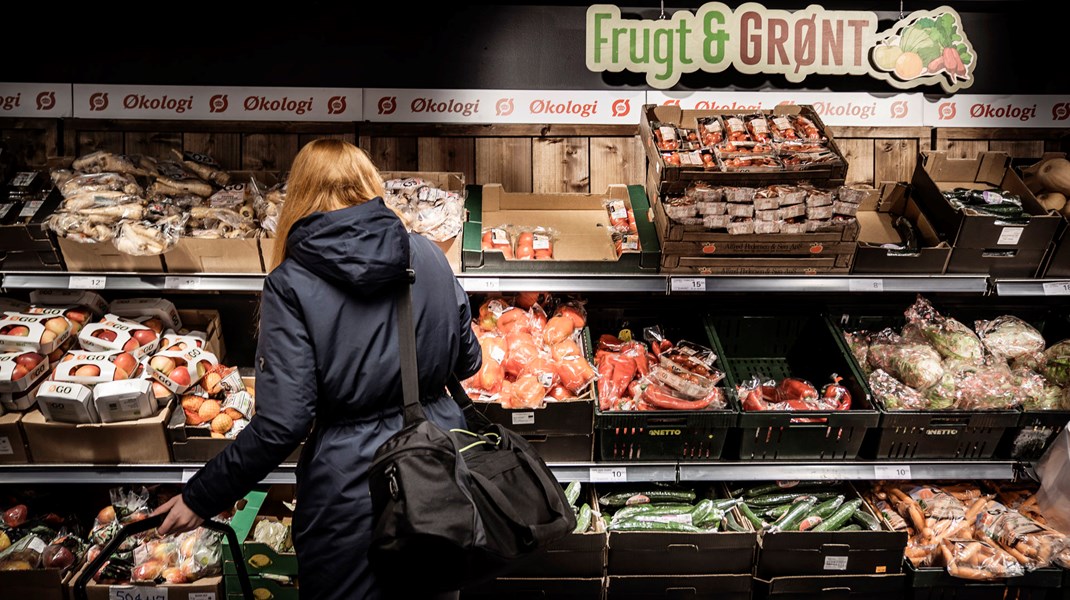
<point x="930" y="48"/>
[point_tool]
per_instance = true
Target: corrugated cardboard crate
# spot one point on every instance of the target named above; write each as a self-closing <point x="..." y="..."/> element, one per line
<point x="143" y="441"/>
<point x="876" y="219"/>
<point x="443" y="180"/>
<point x="12" y="443"/>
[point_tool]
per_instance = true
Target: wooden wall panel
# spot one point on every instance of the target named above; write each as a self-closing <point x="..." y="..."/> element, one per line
<point x="31" y="146"/>
<point x="304" y="138"/>
<point x="91" y="141"/>
<point x="561" y="165"/>
<point x="225" y="148"/>
<point x="392" y="153"/>
<point x="452" y="154"/>
<point x="268" y="151"/>
<point x="963" y="148"/>
<point x="894" y="160"/>
<point x="859" y="155"/>
<point x="1020" y="149"/>
<point x="506" y="161"/>
<point x="617" y="160"/>
<point x="152" y="144"/>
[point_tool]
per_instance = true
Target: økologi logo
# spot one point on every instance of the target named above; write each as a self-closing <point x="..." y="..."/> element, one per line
<point x="671" y="102"/>
<point x="388" y="104"/>
<point x="218" y="103"/>
<point x="900" y="109"/>
<point x="336" y="105"/>
<point x="621" y="107"/>
<point x="98" y="101"/>
<point x="946" y="111"/>
<point x="46" y="100"/>
<point x="504" y="107"/>
<point x="1060" y="111"/>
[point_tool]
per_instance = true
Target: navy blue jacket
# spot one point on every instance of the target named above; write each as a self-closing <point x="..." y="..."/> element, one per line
<point x="327" y="369"/>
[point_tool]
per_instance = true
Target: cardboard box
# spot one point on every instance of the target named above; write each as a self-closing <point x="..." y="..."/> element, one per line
<point x="143" y="441"/>
<point x="70" y="298"/>
<point x="876" y="219"/>
<point x="568" y="417"/>
<point x="657" y="587"/>
<point x="675" y="179"/>
<point x="38" y="584"/>
<point x="31" y="260"/>
<point x="262" y="588"/>
<point x="103" y="257"/>
<point x="575" y="555"/>
<point x="208" y="322"/>
<point x="537" y="588"/>
<point x="199" y="255"/>
<point x="31" y="237"/>
<point x="449" y="181"/>
<point x="583" y="243"/>
<point x="260" y="558"/>
<point x="12" y="447"/>
<point x="209" y="588"/>
<point x="833" y="587"/>
<point x="981" y="243"/>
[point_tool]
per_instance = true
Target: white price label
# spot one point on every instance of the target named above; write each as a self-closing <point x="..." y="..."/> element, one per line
<point x="182" y="282"/>
<point x="202" y="596"/>
<point x="866" y="285"/>
<point x="1057" y="288"/>
<point x="605" y="474"/>
<point x="87" y="282"/>
<point x="524" y="418"/>
<point x="482" y="284"/>
<point x="1010" y="235"/>
<point x="5" y="446"/>
<point x="688" y="284"/>
<point x="37" y="545"/>
<point x="835" y="563"/>
<point x="891" y="472"/>
<point x="30" y="208"/>
<point x="136" y="592"/>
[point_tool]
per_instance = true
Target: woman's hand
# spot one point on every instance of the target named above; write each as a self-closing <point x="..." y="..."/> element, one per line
<point x="179" y="517"/>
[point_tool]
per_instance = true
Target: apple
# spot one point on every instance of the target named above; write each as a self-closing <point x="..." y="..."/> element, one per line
<point x="15" y="330"/>
<point x="144" y="337"/>
<point x="120" y="375"/>
<point x="16" y="515"/>
<point x="160" y="390"/>
<point x="67" y="357"/>
<point x="106" y="515"/>
<point x="105" y="334"/>
<point x="87" y="371"/>
<point x="180" y="375"/>
<point x="29" y="360"/>
<point x="211" y="383"/>
<point x="163" y="364"/>
<point x="125" y="361"/>
<point x="19" y="372"/>
<point x="57" y="325"/>
<point x="56" y="354"/>
<point x="78" y="316"/>
<point x="154" y="324"/>
<point x="57" y="556"/>
<point x="48" y="336"/>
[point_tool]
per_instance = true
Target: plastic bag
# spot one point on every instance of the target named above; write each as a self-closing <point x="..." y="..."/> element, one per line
<point x="432" y="212"/>
<point x="710" y="131"/>
<point x="148" y="238"/>
<point x="268" y="206"/>
<point x="1055" y="364"/>
<point x="949" y="337"/>
<point x="1009" y="337"/>
<point x="736" y="129"/>
<point x="1030" y="544"/>
<point x="1034" y="392"/>
<point x="916" y="365"/>
<point x="498" y="239"/>
<point x="750" y="164"/>
<point x="978" y="387"/>
<point x="87" y="183"/>
<point x="858" y="343"/>
<point x="892" y="393"/>
<point x="275" y="534"/>
<point x="535" y="243"/>
<point x="979" y="560"/>
<point x="807" y="129"/>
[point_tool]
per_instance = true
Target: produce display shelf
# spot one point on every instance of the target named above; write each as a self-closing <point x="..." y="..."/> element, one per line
<point x="598" y="472"/>
<point x="564" y="283"/>
<point x="208" y="282"/>
<point x="817" y="283"/>
<point x="1032" y="287"/>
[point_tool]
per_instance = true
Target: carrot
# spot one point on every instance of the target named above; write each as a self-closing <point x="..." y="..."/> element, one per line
<point x="976" y="507"/>
<point x="965" y="572"/>
<point x="936" y="65"/>
<point x="1018" y="556"/>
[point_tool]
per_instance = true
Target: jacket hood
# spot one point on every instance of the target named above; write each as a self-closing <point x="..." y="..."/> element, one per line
<point x="361" y="248"/>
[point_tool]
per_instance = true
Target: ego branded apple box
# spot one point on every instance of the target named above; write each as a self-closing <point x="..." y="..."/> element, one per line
<point x="40" y="333"/>
<point x="124" y="400"/>
<point x="8" y="305"/>
<point x="115" y="333"/>
<point x="19" y="401"/>
<point x="19" y="371"/>
<point x="145" y="308"/>
<point x="67" y="402"/>
<point x="90" y="300"/>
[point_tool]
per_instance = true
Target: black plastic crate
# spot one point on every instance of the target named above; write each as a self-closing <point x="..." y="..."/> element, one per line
<point x="933" y="583"/>
<point x="961" y="434"/>
<point x="684" y="435"/>
<point x="831" y="587"/>
<point x="657" y="587"/>
<point x="783" y="345"/>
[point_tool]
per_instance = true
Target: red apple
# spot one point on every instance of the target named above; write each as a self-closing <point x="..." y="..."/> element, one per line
<point x="78" y="316"/>
<point x="154" y="324"/>
<point x="48" y="336"/>
<point x="19" y="372"/>
<point x="57" y="324"/>
<point x="120" y="374"/>
<point x="125" y="361"/>
<point x="163" y="364"/>
<point x="17" y="330"/>
<point x="160" y="390"/>
<point x="87" y="371"/>
<point x="29" y="360"/>
<point x="131" y="345"/>
<point x="180" y="375"/>
<point x="105" y="334"/>
<point x="144" y="336"/>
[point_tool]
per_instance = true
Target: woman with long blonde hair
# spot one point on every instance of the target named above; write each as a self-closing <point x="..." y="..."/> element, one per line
<point x="327" y="365"/>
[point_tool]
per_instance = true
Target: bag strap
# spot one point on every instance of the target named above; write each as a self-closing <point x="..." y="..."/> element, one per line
<point x="554" y="496"/>
<point x="410" y="374"/>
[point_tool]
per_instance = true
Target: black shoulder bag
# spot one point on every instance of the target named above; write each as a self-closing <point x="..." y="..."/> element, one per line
<point x="455" y="508"/>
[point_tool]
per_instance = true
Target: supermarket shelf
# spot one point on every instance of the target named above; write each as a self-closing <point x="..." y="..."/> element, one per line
<point x="206" y="282"/>
<point x="854" y="470"/>
<point x="1032" y="287"/>
<point x="609" y="282"/>
<point x="580" y="471"/>
<point x="816" y="283"/>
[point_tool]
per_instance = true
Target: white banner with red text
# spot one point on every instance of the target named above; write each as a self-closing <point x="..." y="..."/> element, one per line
<point x="503" y="106"/>
<point x="35" y="100"/>
<point x="224" y="103"/>
<point x="845" y="109"/>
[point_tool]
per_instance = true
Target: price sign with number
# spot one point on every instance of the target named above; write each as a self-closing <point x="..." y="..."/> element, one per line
<point x="866" y="285"/>
<point x="182" y="282"/>
<point x="482" y="284"/>
<point x="891" y="472"/>
<point x="688" y="284"/>
<point x="1057" y="288"/>
<point x="607" y="474"/>
<point x="87" y="282"/>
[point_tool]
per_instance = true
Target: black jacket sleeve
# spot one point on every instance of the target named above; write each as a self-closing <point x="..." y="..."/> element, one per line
<point x="470" y="358"/>
<point x="285" y="408"/>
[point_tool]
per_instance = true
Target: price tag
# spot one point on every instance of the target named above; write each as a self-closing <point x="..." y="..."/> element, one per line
<point x="892" y="472"/>
<point x="87" y="282"/>
<point x="5" y="446"/>
<point x="687" y="284"/>
<point x="866" y="285"/>
<point x="30" y="208"/>
<point x="1009" y="236"/>
<point x="524" y="418"/>
<point x="202" y="596"/>
<point x="136" y="592"/>
<point x="606" y="474"/>
<point x="1057" y="288"/>
<point x="37" y="545"/>
<point x="835" y="563"/>
<point x="482" y="284"/>
<point x="182" y="282"/>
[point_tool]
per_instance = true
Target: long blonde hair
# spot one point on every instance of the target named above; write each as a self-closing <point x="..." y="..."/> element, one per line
<point x="327" y="174"/>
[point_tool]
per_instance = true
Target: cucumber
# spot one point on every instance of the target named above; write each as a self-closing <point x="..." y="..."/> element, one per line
<point x="826" y="508"/>
<point x="706" y="514"/>
<point x="840" y="517"/>
<point x="866" y="520"/>
<point x="851" y="527"/>
<point x="732" y="523"/>
<point x="750" y="516"/>
<point x="646" y="497"/>
<point x="727" y="503"/>
<point x="777" y="511"/>
<point x="775" y="499"/>
<point x="791" y="519"/>
<point x="629" y="512"/>
<point x="810" y="522"/>
<point x="572" y="492"/>
<point x="583" y="519"/>
<point x="783" y="487"/>
<point x="653" y="526"/>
